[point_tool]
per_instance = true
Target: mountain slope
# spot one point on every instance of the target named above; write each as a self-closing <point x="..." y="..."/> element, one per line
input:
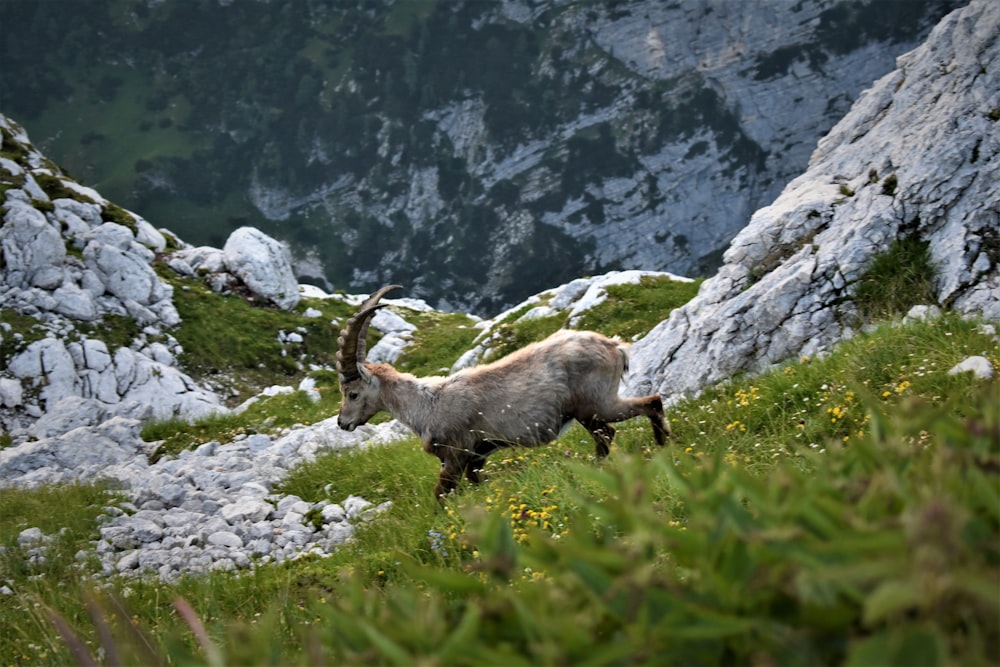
<point x="917" y="160"/>
<point x="476" y="152"/>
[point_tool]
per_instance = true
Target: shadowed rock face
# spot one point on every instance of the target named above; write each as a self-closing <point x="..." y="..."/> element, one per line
<point x="918" y="155"/>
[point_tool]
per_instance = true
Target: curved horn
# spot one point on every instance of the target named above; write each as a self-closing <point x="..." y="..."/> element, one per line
<point x="352" y="339"/>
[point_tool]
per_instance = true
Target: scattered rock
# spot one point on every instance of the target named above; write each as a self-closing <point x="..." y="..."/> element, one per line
<point x="979" y="366"/>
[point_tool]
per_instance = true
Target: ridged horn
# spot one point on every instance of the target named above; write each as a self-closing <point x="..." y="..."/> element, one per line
<point x="351" y="344"/>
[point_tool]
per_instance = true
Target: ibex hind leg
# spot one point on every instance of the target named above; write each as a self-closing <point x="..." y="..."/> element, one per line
<point x="653" y="406"/>
<point x="646" y="406"/>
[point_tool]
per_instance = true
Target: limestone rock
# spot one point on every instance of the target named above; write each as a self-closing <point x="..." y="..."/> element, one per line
<point x="977" y="365"/>
<point x="264" y="265"/>
<point x="11" y="393"/>
<point x="123" y="266"/>
<point x="396" y="335"/>
<point x="917" y="155"/>
<point x="32" y="250"/>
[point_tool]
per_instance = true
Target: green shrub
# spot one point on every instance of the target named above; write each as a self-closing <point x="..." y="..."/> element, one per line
<point x="899" y="278"/>
<point x="890" y="185"/>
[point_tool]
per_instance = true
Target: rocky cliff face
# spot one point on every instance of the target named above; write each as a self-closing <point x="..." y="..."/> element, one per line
<point x="476" y="152"/>
<point x="918" y="157"/>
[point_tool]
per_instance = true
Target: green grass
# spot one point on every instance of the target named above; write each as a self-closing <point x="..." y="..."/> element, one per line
<point x="842" y="509"/>
<point x="68" y="514"/>
<point x="628" y="311"/>
<point x="631" y="310"/>
<point x="24" y="330"/>
<point x="438" y="342"/>
<point x="234" y="342"/>
<point x="896" y="280"/>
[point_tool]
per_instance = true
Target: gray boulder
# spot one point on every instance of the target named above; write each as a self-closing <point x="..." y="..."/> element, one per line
<point x="264" y="265"/>
<point x="200" y="259"/>
<point x="32" y="250"/>
<point x="125" y="269"/>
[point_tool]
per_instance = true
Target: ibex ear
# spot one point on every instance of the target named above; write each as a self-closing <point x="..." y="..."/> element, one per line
<point x="364" y="374"/>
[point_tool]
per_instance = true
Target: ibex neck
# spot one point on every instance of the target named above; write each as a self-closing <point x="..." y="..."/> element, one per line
<point x="407" y="398"/>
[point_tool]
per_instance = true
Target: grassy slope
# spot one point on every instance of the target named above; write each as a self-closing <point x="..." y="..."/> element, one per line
<point x="843" y="508"/>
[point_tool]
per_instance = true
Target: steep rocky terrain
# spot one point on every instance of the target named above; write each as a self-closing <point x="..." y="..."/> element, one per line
<point x="478" y="152"/>
<point x="89" y="353"/>
<point x="917" y="157"/>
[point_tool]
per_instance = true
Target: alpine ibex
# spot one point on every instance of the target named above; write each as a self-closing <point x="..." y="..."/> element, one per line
<point x="524" y="399"/>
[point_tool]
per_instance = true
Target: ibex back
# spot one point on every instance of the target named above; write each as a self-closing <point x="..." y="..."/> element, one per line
<point x="524" y="399"/>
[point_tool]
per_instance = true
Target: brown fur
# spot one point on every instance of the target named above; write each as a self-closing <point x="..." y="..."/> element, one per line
<point x="524" y="399"/>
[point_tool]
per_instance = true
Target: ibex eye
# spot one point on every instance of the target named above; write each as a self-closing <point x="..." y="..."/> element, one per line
<point x="353" y="395"/>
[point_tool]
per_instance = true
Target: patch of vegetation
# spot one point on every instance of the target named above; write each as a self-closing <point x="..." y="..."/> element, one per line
<point x="899" y="278"/>
<point x="68" y="515"/>
<point x="56" y="188"/>
<point x="632" y="310"/>
<point x="115" y="330"/>
<point x="229" y="341"/>
<point x="890" y="185"/>
<point x="438" y="342"/>
<point x="115" y="213"/>
<point x="69" y="508"/>
<point x="23" y="331"/>
<point x="840" y="510"/>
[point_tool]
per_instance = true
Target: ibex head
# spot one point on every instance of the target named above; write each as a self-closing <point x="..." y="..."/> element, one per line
<point x="358" y="389"/>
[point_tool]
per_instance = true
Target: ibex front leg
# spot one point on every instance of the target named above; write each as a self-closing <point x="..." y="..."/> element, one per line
<point x="602" y="432"/>
<point x="453" y="464"/>
<point x="476" y="460"/>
